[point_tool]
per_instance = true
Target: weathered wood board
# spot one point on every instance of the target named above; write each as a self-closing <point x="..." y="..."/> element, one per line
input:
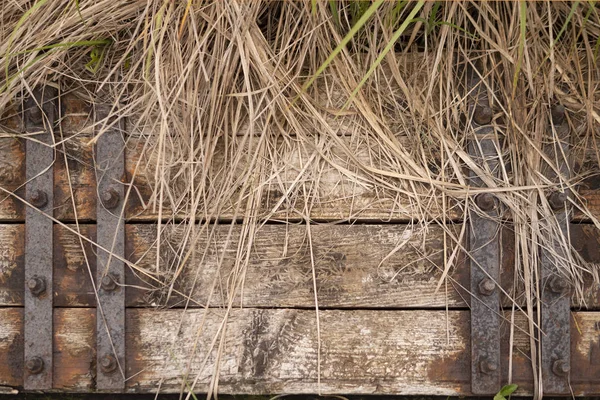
<point x="356" y="266"/>
<point x="275" y="351"/>
<point x="335" y="195"/>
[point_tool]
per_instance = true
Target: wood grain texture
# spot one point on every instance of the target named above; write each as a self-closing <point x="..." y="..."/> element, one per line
<point x="355" y="266"/>
<point x="268" y="351"/>
<point x="325" y="192"/>
<point x="333" y="196"/>
<point x="75" y="128"/>
<point x="370" y="266"/>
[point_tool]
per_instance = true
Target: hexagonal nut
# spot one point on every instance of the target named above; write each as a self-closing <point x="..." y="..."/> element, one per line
<point x="109" y="283"/>
<point x="559" y="285"/>
<point x="38" y="198"/>
<point x="36" y="285"/>
<point x="487" y="367"/>
<point x="110" y="199"/>
<point x="486" y="287"/>
<point x="485" y="201"/>
<point x="557" y="200"/>
<point x="483" y="114"/>
<point x="108" y="364"/>
<point x="561" y="368"/>
<point x="34" y="365"/>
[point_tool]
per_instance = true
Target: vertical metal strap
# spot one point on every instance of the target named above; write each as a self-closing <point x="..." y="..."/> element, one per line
<point x="110" y="275"/>
<point x="39" y="159"/>
<point x="555" y="296"/>
<point x="484" y="245"/>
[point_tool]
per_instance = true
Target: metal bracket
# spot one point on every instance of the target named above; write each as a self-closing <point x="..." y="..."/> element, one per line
<point x="110" y="274"/>
<point x="555" y="296"/>
<point x="484" y="245"/>
<point x="40" y="115"/>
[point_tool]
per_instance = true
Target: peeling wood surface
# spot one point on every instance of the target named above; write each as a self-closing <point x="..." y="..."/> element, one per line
<point x="275" y="351"/>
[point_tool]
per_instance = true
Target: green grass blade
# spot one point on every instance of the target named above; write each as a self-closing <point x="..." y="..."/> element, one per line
<point x="334" y="12"/>
<point x="68" y="45"/>
<point x="363" y="19"/>
<point x="566" y="24"/>
<point x="21" y="21"/>
<point x="386" y="49"/>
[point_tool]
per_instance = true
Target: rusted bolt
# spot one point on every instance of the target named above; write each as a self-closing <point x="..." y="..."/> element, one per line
<point x="557" y="200"/>
<point x="110" y="199"/>
<point x="560" y="368"/>
<point x="487" y="367"/>
<point x="483" y="115"/>
<point x="558" y="285"/>
<point x="35" y="114"/>
<point x="108" y="364"/>
<point x="36" y="285"/>
<point x="558" y="114"/>
<point x="485" y="201"/>
<point x="108" y="283"/>
<point x="486" y="287"/>
<point x="38" y="198"/>
<point x="34" y="365"/>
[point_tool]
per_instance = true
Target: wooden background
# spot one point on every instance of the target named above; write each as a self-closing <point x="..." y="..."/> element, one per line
<point x="384" y="327"/>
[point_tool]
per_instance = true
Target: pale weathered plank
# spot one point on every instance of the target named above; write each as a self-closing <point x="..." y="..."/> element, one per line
<point x="355" y="266"/>
<point x="351" y="267"/>
<point x="275" y="351"/>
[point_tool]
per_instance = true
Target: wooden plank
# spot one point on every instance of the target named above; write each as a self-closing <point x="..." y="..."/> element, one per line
<point x="355" y="265"/>
<point x="336" y="195"/>
<point x="279" y="273"/>
<point x="76" y="127"/>
<point x="270" y="351"/>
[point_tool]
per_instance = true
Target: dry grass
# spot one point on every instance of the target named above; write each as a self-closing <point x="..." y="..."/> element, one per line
<point x="219" y="93"/>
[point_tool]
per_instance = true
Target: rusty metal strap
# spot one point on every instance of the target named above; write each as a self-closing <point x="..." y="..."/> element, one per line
<point x="555" y="296"/>
<point x="110" y="275"/>
<point x="484" y="246"/>
<point x="40" y="116"/>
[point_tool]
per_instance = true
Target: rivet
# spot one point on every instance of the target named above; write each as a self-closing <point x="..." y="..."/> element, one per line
<point x="485" y="201"/>
<point x="560" y="368"/>
<point x="36" y="285"/>
<point x="108" y="364"/>
<point x="487" y="367"/>
<point x="486" y="287"/>
<point x="34" y="365"/>
<point x="558" y="285"/>
<point x="483" y="115"/>
<point x="108" y="283"/>
<point x="38" y="198"/>
<point x="558" y="114"/>
<point x="110" y="199"/>
<point x="557" y="200"/>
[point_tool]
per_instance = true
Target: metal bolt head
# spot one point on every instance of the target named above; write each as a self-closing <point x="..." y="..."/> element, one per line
<point x="34" y="365"/>
<point x="110" y="199"/>
<point x="108" y="283"/>
<point x="38" y="198"/>
<point x="561" y="368"/>
<point x="483" y="115"/>
<point x="36" y="285"/>
<point x="558" y="114"/>
<point x="486" y="287"/>
<point x="558" y="285"/>
<point x="557" y="200"/>
<point x="487" y="367"/>
<point x="108" y="364"/>
<point x="485" y="201"/>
